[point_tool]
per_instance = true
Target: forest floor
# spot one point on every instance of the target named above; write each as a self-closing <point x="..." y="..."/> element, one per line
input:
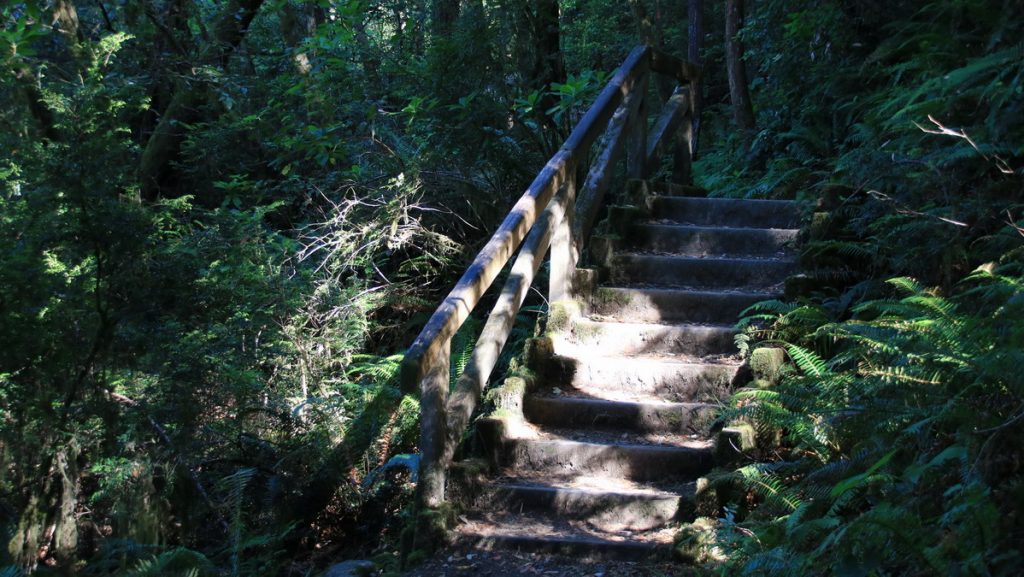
<point x="456" y="562"/>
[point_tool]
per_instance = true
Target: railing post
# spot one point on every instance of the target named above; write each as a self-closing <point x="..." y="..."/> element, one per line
<point x="434" y="382"/>
<point x="636" y="149"/>
<point x="682" y="171"/>
<point x="563" y="253"/>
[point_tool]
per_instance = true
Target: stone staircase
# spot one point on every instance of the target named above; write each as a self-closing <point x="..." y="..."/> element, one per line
<point x="600" y="456"/>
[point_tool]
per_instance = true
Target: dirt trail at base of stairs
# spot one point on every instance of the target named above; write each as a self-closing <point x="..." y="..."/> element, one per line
<point x="468" y="562"/>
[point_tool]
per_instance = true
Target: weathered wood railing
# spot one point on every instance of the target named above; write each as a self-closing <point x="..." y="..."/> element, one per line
<point x="548" y="215"/>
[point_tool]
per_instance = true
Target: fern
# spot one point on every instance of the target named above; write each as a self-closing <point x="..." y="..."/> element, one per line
<point x="178" y="562"/>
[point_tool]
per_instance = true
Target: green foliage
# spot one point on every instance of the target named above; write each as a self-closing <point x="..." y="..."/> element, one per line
<point x="903" y="441"/>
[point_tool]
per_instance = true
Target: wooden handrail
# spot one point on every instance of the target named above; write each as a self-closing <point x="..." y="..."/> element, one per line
<point x="546" y="216"/>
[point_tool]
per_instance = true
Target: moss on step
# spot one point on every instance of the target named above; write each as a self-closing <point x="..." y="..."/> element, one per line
<point x="606" y="296"/>
<point x="561" y="315"/>
<point x="585" y="283"/>
<point x="582" y="332"/>
<point x="507" y="399"/>
<point x="622" y="218"/>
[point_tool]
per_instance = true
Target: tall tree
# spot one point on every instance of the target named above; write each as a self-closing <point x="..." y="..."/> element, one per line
<point x="695" y="43"/>
<point x="652" y="35"/>
<point x="548" y="62"/>
<point x="446" y="13"/>
<point x="190" y="97"/>
<point x="739" y="93"/>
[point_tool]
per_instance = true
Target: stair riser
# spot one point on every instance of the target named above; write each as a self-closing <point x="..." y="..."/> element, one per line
<point x="727" y="212"/>
<point x="668" y="306"/>
<point x="673" y="382"/>
<point x="585" y="550"/>
<point x="605" y="511"/>
<point x="627" y="339"/>
<point x="692" y="241"/>
<point x="640" y="417"/>
<point x="704" y="273"/>
<point x="634" y="462"/>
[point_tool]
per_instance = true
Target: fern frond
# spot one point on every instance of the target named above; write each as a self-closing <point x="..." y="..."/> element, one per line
<point x="808" y="362"/>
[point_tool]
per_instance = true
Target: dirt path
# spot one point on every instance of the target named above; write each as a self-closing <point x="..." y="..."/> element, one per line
<point x="462" y="562"/>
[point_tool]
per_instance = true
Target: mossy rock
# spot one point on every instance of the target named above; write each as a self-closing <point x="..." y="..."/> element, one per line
<point x="561" y="315"/>
<point x="508" y="397"/>
<point x="799" y="285"/>
<point x="821" y="226"/>
<point x="733" y="441"/>
<point x="766" y="366"/>
<point x="697" y="542"/>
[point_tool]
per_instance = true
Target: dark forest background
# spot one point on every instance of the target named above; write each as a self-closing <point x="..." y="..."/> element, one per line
<point x="222" y="221"/>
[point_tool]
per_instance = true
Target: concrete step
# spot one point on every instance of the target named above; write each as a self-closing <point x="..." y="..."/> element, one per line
<point x="653" y="417"/>
<point x="636" y="462"/>
<point x="605" y="506"/>
<point x="675" y="271"/>
<point x="651" y="305"/>
<point x="538" y="533"/>
<point x="727" y="212"/>
<point x="672" y="379"/>
<point x="589" y="337"/>
<point x="711" y="241"/>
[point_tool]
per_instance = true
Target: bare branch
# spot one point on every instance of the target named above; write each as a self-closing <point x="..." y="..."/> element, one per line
<point x="962" y="134"/>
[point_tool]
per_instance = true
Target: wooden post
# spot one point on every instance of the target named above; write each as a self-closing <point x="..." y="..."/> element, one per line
<point x="636" y="149"/>
<point x="563" y="261"/>
<point x="435" y="377"/>
<point x="682" y="170"/>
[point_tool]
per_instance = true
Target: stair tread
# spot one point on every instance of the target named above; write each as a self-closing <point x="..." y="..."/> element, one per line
<point x="581" y="397"/>
<point x="727" y="212"/>
<point x="588" y="336"/>
<point x="541" y="527"/>
<point x="724" y="360"/>
<point x="695" y="291"/>
<point x="612" y="397"/>
<point x="616" y="438"/>
<point x="782" y="258"/>
<point x="775" y="290"/>
<point x="676" y="224"/>
<point x="589" y="484"/>
<point x="596" y="319"/>
<point x="717" y="200"/>
<point x="670" y="224"/>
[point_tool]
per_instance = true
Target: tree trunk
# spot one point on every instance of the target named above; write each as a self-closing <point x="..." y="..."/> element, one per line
<point x="695" y="22"/>
<point x="739" y="93"/>
<point x="164" y="144"/>
<point x="297" y="24"/>
<point x="650" y="34"/>
<point x="446" y="13"/>
<point x="37" y="107"/>
<point x="65" y="20"/>
<point x="65" y="23"/>
<point x="548" y="64"/>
